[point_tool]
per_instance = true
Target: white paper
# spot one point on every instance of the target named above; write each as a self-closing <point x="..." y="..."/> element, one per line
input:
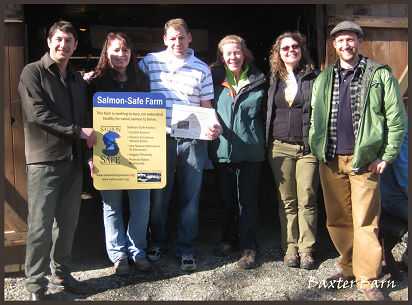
<point x="192" y="122"/>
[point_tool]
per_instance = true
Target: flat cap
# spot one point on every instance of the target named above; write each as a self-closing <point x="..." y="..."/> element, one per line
<point x="347" y="26"/>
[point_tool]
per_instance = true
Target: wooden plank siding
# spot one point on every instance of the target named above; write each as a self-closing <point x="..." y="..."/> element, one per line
<point x="376" y="10"/>
<point x="386" y="46"/>
<point x="403" y="82"/>
<point x="15" y="208"/>
<point x="386" y="32"/>
<point x="376" y="22"/>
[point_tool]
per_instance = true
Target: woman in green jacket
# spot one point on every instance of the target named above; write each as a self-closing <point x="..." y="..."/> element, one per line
<point x="238" y="152"/>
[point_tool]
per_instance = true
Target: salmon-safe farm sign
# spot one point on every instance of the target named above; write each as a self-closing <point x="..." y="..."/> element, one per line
<point x="130" y="152"/>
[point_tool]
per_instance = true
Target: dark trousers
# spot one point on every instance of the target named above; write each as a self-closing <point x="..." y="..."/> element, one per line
<point x="238" y="189"/>
<point x="53" y="204"/>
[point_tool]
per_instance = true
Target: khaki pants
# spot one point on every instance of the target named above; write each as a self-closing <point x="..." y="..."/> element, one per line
<point x="296" y="179"/>
<point x="352" y="210"/>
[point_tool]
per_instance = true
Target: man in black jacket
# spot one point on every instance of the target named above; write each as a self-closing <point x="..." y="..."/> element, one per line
<point x="54" y="102"/>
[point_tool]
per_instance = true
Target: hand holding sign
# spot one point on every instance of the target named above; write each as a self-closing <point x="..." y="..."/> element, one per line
<point x="89" y="135"/>
<point x="214" y="131"/>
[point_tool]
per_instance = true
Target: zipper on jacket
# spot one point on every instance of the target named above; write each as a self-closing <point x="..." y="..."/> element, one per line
<point x="290" y="111"/>
<point x="362" y="118"/>
<point x="235" y="105"/>
<point x="290" y="105"/>
<point x="248" y="88"/>
<point x="328" y="99"/>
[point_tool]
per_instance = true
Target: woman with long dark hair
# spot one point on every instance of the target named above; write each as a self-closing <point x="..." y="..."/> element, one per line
<point x="294" y="168"/>
<point x="117" y="71"/>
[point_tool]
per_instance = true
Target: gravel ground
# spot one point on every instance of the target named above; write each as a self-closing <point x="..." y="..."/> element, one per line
<point x="215" y="279"/>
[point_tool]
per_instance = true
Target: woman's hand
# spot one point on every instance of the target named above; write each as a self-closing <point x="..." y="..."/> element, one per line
<point x="91" y="167"/>
<point x="88" y="76"/>
<point x="214" y="131"/>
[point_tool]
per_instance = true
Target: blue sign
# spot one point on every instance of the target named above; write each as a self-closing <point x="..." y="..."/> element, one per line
<point x="129" y="100"/>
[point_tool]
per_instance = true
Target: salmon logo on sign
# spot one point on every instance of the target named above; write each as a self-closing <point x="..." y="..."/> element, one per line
<point x="109" y="140"/>
<point x="111" y="148"/>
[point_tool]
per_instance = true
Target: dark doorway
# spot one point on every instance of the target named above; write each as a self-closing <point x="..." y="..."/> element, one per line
<point x="258" y="24"/>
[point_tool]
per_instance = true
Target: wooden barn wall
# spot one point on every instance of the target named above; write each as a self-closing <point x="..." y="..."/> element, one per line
<point x="386" y="32"/>
<point x="15" y="205"/>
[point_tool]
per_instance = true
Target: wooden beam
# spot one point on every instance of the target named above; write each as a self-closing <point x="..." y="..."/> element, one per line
<point x="320" y="28"/>
<point x="373" y="21"/>
<point x="403" y="81"/>
<point x="13" y="258"/>
<point x="13" y="13"/>
<point x="14" y="268"/>
<point x="15" y="239"/>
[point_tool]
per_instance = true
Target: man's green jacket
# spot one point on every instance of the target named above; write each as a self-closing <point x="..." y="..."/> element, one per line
<point x="383" y="117"/>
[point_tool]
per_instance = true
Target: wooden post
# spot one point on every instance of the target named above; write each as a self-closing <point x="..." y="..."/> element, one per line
<point x="403" y="81"/>
<point x="15" y="205"/>
<point x="320" y="30"/>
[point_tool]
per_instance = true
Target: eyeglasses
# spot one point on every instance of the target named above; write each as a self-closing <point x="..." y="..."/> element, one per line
<point x="287" y="48"/>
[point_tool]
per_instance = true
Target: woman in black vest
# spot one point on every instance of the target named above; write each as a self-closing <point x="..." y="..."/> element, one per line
<point x="294" y="168"/>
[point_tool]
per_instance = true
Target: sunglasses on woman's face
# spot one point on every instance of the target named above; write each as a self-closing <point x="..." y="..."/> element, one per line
<point x="287" y="48"/>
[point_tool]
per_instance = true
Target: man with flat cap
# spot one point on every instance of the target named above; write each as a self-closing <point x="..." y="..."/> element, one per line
<point x="357" y="126"/>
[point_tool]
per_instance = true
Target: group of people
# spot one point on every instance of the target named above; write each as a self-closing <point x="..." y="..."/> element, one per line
<point x="340" y="128"/>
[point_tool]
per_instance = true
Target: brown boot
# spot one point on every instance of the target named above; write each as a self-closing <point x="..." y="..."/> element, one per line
<point x="372" y="294"/>
<point x="334" y="279"/>
<point x="307" y="261"/>
<point x="248" y="259"/>
<point x="291" y="260"/>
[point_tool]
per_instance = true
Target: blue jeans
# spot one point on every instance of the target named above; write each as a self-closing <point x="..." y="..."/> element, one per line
<point x="186" y="159"/>
<point x="121" y="242"/>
